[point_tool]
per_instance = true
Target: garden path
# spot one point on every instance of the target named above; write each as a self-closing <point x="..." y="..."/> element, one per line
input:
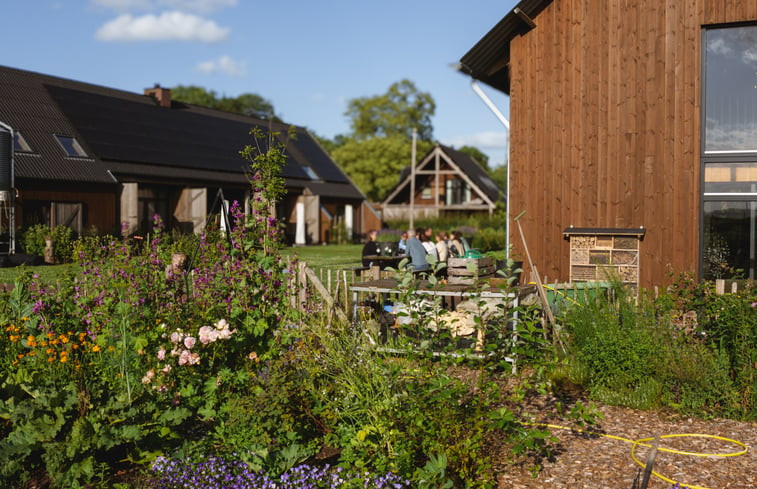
<point x="599" y="462"/>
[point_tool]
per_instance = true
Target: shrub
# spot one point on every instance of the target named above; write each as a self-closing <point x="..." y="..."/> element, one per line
<point x="631" y="352"/>
<point x="34" y="241"/>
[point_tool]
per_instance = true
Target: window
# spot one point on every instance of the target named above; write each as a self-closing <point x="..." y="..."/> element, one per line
<point x="152" y="201"/>
<point x="19" y="143"/>
<point x="311" y="174"/>
<point x="70" y="146"/>
<point x="729" y="152"/>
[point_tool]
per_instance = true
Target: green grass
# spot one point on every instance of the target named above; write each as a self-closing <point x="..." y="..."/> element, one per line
<point x="335" y="257"/>
<point x="328" y="256"/>
<point x="47" y="273"/>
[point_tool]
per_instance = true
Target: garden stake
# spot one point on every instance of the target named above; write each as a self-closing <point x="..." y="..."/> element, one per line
<point x="539" y="285"/>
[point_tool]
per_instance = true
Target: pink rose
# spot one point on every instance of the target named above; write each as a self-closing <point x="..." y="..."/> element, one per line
<point x="189" y="342"/>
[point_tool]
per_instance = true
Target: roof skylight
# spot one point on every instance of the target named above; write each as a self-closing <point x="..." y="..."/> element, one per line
<point x="70" y="145"/>
<point x="19" y="143"/>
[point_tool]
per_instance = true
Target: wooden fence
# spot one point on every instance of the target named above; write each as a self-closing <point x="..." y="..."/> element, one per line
<point x="324" y="290"/>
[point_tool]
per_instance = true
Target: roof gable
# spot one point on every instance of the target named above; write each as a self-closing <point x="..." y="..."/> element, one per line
<point x="466" y="166"/>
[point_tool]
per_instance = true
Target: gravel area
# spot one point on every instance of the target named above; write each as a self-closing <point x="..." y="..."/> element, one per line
<point x="599" y="462"/>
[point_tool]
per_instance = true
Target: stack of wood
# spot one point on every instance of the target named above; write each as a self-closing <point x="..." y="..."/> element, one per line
<point x="466" y="271"/>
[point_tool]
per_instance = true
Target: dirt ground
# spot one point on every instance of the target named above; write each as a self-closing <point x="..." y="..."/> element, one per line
<point x="599" y="462"/>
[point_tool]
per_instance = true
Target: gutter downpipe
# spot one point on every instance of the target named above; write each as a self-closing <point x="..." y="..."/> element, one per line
<point x="495" y="110"/>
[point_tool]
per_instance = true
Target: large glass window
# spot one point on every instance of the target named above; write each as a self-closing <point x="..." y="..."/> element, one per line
<point x="730" y="235"/>
<point x="731" y="89"/>
<point x="729" y="210"/>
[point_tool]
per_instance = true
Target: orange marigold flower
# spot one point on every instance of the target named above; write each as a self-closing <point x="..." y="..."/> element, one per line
<point x="20" y="356"/>
<point x="96" y="348"/>
<point x="50" y="359"/>
<point x="63" y="338"/>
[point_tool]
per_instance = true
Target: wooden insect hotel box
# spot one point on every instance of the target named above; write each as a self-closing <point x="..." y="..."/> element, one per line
<point x="602" y="254"/>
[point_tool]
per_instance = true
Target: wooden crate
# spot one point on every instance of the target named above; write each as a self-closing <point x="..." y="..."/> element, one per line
<point x="467" y="270"/>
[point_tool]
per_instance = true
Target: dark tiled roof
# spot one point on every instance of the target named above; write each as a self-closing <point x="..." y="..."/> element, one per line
<point x="128" y="136"/>
<point x="489" y="59"/>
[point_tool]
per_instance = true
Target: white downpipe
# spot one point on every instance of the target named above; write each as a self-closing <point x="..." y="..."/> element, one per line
<point x="495" y="110"/>
<point x="348" y="221"/>
<point x="299" y="234"/>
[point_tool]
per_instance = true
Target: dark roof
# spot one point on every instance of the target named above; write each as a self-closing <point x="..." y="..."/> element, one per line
<point x="489" y="59"/>
<point x="129" y="136"/>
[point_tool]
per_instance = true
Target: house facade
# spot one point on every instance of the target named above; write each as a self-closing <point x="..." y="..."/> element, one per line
<point x="96" y="159"/>
<point x="631" y="115"/>
<point x="446" y="181"/>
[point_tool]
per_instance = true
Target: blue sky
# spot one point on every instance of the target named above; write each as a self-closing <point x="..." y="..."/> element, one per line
<point x="307" y="57"/>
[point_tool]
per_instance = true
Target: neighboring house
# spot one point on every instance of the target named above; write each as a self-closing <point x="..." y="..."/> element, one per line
<point x="94" y="158"/>
<point x="446" y="180"/>
<point x="637" y="117"/>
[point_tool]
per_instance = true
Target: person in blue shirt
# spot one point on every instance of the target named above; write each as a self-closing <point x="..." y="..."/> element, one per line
<point x="402" y="245"/>
<point x="416" y="252"/>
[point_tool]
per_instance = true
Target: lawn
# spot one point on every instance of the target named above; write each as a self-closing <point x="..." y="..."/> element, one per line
<point x="334" y="257"/>
<point x="330" y="256"/>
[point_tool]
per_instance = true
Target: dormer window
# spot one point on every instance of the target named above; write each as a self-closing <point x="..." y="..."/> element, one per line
<point x="71" y="146"/>
<point x="19" y="143"/>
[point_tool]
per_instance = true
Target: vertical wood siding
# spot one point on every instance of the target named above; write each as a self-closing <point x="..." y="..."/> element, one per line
<point x="605" y="110"/>
<point x="100" y="211"/>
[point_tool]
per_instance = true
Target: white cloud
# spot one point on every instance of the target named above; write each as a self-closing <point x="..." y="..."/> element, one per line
<point x="719" y="46"/>
<point x="225" y="65"/>
<point x="487" y="140"/>
<point x="168" y="26"/>
<point x="202" y="6"/>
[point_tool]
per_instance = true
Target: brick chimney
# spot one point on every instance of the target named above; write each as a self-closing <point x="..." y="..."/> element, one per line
<point x="160" y="94"/>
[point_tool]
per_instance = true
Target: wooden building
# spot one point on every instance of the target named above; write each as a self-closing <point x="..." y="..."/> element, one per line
<point x="95" y="158"/>
<point x="627" y="115"/>
<point x="446" y="181"/>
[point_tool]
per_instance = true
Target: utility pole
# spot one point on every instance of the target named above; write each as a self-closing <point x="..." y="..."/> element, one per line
<point x="412" y="181"/>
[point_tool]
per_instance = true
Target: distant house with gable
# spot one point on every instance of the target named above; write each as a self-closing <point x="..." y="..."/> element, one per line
<point x="92" y="158"/>
<point x="444" y="181"/>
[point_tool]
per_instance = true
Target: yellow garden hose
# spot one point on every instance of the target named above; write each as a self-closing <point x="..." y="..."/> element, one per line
<point x="641" y="442"/>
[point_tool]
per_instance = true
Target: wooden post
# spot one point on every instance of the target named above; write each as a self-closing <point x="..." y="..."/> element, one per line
<point x="650" y="462"/>
<point x="302" y="284"/>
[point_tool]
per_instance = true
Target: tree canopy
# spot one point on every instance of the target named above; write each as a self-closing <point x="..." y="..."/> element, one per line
<point x="375" y="164"/>
<point x="477" y="155"/>
<point x="394" y="113"/>
<point x="249" y="104"/>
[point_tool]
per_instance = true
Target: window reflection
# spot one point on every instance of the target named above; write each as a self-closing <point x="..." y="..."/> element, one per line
<point x="731" y="89"/>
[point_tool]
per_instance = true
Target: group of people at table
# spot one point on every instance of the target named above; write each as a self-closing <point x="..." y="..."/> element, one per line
<point x="416" y="244"/>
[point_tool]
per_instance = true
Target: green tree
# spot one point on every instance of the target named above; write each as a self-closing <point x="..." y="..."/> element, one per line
<point x="375" y="164"/>
<point x="477" y="155"/>
<point x="249" y="104"/>
<point x="395" y="113"/>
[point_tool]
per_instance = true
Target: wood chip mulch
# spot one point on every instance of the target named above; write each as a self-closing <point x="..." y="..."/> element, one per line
<point x="598" y="462"/>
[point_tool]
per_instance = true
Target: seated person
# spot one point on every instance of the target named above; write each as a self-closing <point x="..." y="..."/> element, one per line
<point x="371" y="248"/>
<point x="402" y="245"/>
<point x="456" y="249"/>
<point x="416" y="252"/>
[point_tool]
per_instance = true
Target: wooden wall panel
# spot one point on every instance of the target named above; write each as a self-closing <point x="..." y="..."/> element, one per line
<point x="605" y="111"/>
<point x="100" y="210"/>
